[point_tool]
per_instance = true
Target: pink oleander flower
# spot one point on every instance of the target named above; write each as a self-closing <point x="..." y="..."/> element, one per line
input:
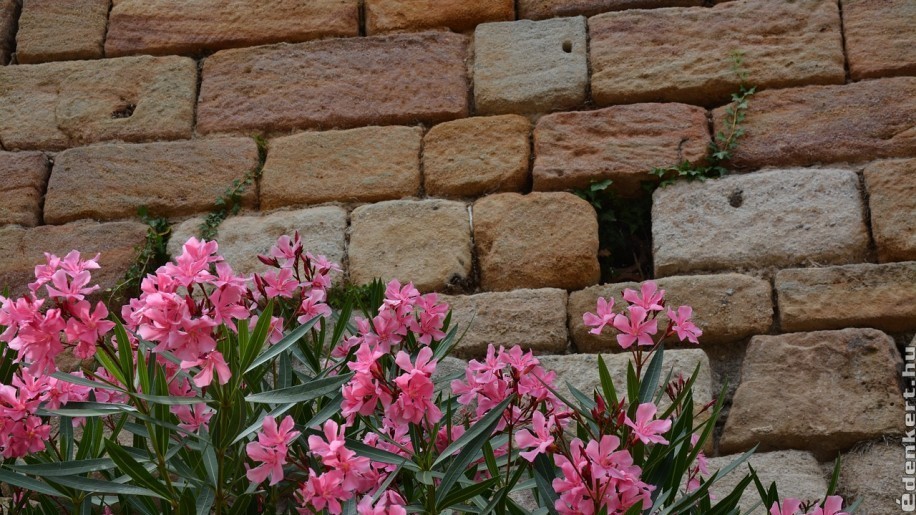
<point x="212" y="362"/>
<point x="321" y="492"/>
<point x="683" y="326"/>
<point x="279" y="283"/>
<point x="415" y="403"/>
<point x="85" y="329"/>
<point x="192" y="418"/>
<point x="634" y="328"/>
<point x="646" y="428"/>
<point x="649" y="297"/>
<point x="428" y="324"/>
<point x="833" y="505"/>
<point x="26" y="437"/>
<point x="401" y="300"/>
<point x="541" y="440"/>
<point x="787" y="507"/>
<point x="314" y="305"/>
<point x="356" y="471"/>
<point x="270" y="449"/>
<point x="390" y="503"/>
<point x="602" y="317"/>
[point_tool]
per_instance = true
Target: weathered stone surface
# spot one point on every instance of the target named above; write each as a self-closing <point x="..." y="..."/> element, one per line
<point x="241" y="238"/>
<point x="621" y="143"/>
<point x="426" y="241"/>
<point x="857" y="122"/>
<point x="873" y="472"/>
<point x="530" y="66"/>
<point x="367" y="164"/>
<point x="797" y="474"/>
<point x="336" y="83"/>
<point x="60" y="30"/>
<point x="182" y="27"/>
<point x="581" y="371"/>
<point x="892" y="201"/>
<point x="57" y="105"/>
<point x="879" y="37"/>
<point x="413" y="15"/>
<point x="541" y="240"/>
<point x="533" y="319"/>
<point x="23" y="177"/>
<point x="727" y="307"/>
<point x="476" y="156"/>
<point x="847" y="393"/>
<point x="866" y="295"/>
<point x="8" y="10"/>
<point x="668" y="54"/>
<point x="447" y="370"/>
<point x="540" y="9"/>
<point x="773" y="218"/>
<point x="169" y="178"/>
<point x="22" y="249"/>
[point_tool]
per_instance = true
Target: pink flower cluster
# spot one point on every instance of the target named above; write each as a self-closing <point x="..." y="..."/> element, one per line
<point x="638" y="324"/>
<point x="39" y="329"/>
<point x="833" y="505"/>
<point x="599" y="475"/>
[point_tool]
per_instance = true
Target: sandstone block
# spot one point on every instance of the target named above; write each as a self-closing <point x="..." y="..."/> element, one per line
<point x="530" y="66"/>
<point x="180" y="27"/>
<point x="848" y="392"/>
<point x="668" y="55"/>
<point x="775" y="218"/>
<point x="533" y="319"/>
<point x="540" y="9"/>
<point x="541" y="240"/>
<point x="8" y="14"/>
<point x="797" y="475"/>
<point x="23" y="177"/>
<point x="892" y="201"/>
<point x="60" y="30"/>
<point x="364" y="165"/>
<point x="873" y="472"/>
<point x="727" y="307"/>
<point x="22" y="249"/>
<point x="426" y="241"/>
<point x="866" y="295"/>
<point x="476" y="156"/>
<point x="879" y="37"/>
<point x="413" y="15"/>
<point x="58" y="105"/>
<point x="241" y="238"/>
<point x="857" y="122"/>
<point x="621" y="143"/>
<point x="581" y="371"/>
<point x="381" y="80"/>
<point x="170" y="178"/>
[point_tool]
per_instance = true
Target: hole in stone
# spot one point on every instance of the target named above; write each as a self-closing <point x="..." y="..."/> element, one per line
<point x="124" y="112"/>
<point x="567" y="46"/>
<point x="736" y="198"/>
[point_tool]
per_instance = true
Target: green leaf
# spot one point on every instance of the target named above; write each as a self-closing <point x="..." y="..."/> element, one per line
<point x="482" y="425"/>
<point x="381" y="456"/>
<point x="135" y="470"/>
<point x="283" y="344"/>
<point x="99" y="486"/>
<point x="82" y="381"/>
<point x="653" y="374"/>
<point x="607" y="383"/>
<point x="88" y="409"/>
<point x="66" y="468"/>
<point x="301" y="393"/>
<point x="258" y="338"/>
<point x="462" y="494"/>
<point x="23" y="481"/>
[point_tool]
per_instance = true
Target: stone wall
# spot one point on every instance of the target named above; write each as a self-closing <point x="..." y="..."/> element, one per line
<point x="437" y="141"/>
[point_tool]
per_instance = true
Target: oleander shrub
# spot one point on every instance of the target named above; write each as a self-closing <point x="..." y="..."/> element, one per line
<point x="213" y="392"/>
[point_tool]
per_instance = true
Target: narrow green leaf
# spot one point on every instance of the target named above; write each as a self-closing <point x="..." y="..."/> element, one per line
<point x="482" y="425"/>
<point x="301" y="393"/>
<point x="652" y="376"/>
<point x="23" y="481"/>
<point x="135" y="470"/>
<point x="283" y="344"/>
